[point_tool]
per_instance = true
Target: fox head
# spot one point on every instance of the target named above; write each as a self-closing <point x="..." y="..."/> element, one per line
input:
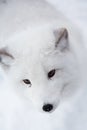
<point x="42" y="66"/>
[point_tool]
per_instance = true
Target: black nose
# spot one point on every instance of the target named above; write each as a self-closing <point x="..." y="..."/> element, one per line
<point x="47" y="107"/>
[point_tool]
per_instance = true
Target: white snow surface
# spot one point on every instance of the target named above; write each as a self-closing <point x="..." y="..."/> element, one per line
<point x="15" y="109"/>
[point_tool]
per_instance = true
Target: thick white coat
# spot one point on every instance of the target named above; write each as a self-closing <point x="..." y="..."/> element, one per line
<point x="27" y="31"/>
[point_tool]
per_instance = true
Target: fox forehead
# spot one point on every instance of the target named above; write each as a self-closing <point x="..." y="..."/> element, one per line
<point x="32" y="36"/>
<point x="31" y="45"/>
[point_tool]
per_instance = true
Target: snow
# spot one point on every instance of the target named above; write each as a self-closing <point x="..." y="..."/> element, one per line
<point x="14" y="108"/>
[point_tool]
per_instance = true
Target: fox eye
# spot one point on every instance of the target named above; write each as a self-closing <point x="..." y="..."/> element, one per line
<point x="27" y="81"/>
<point x="51" y="73"/>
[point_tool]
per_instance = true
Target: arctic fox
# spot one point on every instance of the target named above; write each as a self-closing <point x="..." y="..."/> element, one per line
<point x="41" y="53"/>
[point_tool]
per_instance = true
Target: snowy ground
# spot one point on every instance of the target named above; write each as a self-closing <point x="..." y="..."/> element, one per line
<point x="76" y="10"/>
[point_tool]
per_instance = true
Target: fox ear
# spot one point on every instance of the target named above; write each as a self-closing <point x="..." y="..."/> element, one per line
<point x="6" y="58"/>
<point x="61" y="36"/>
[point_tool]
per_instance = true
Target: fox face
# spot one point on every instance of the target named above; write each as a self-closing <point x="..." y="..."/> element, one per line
<point x="41" y="66"/>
